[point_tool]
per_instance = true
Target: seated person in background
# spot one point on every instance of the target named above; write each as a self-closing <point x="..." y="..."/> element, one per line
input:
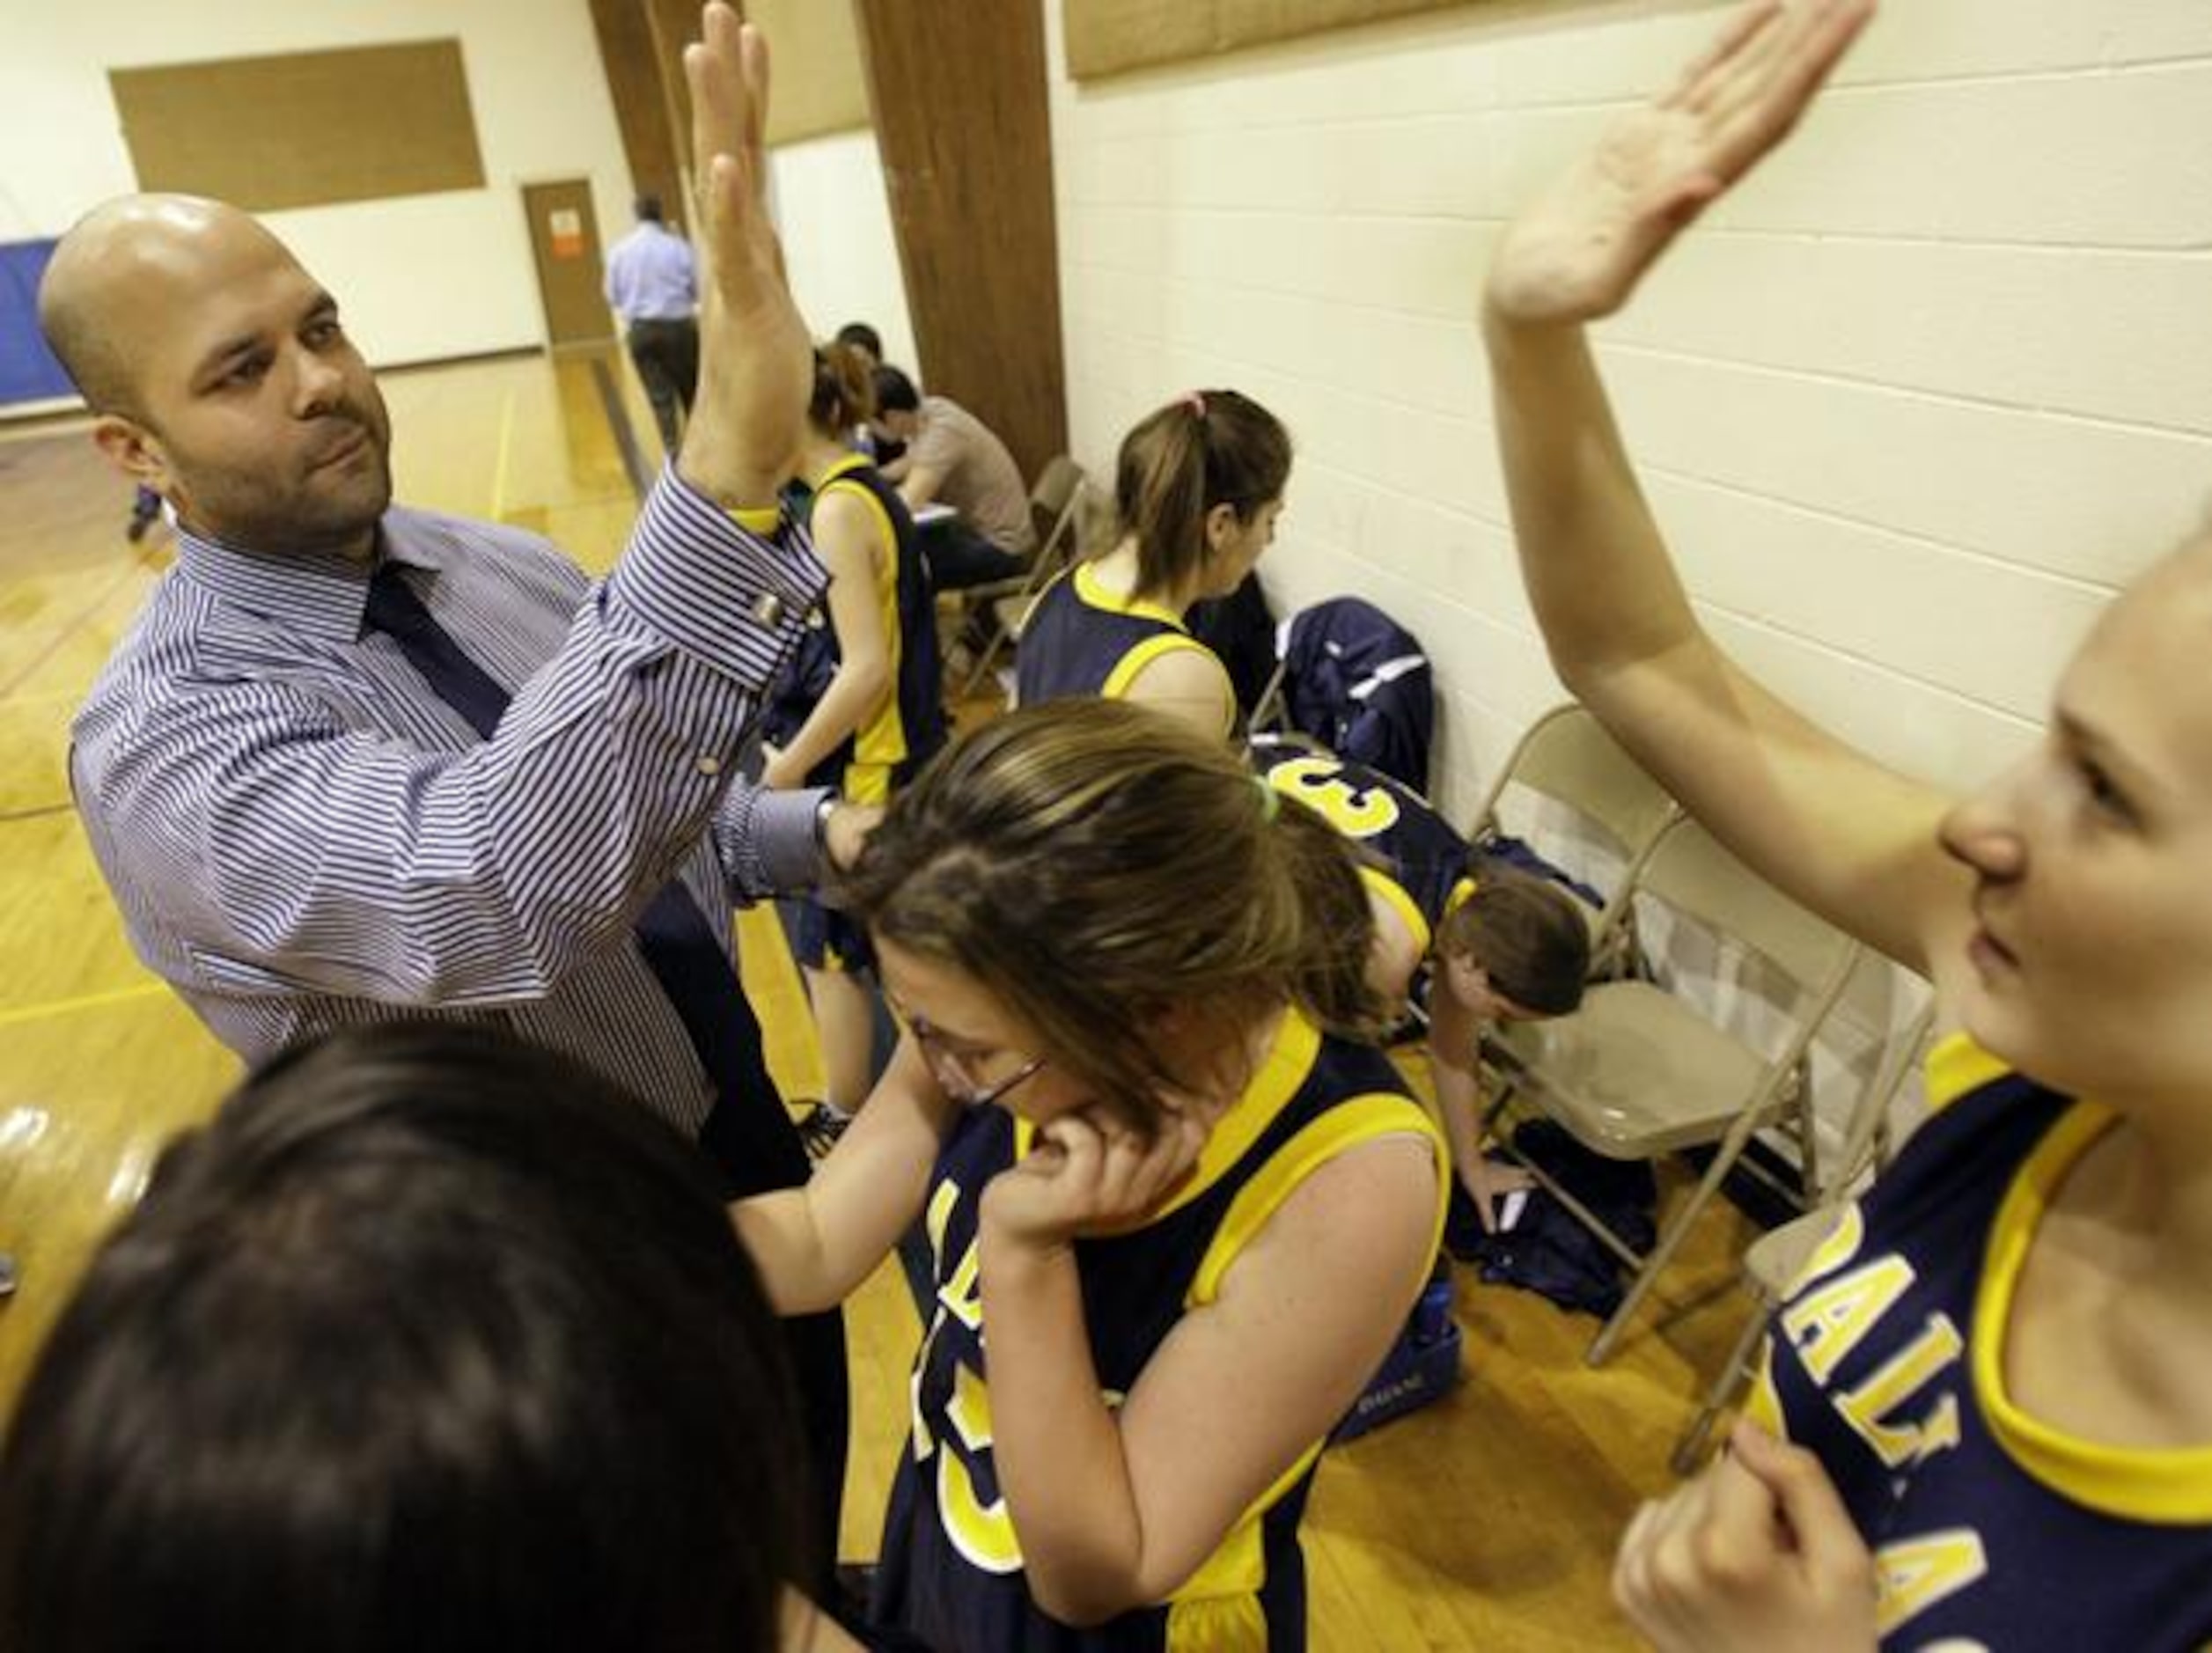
<point x="1197" y="492"/>
<point x="860" y="706"/>
<point x="945" y="454"/>
<point x="1500" y="943"/>
<point x="428" y="1341"/>
<point x="865" y="339"/>
<point x="1180" y="1207"/>
<point x="1992" y="1371"/>
<point x="951" y="456"/>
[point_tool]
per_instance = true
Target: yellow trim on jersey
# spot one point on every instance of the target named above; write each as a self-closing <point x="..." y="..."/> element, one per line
<point x="1460" y="895"/>
<point x="1394" y="895"/>
<point x="1093" y="593"/>
<point x="1116" y="686"/>
<point x="1346" y="1125"/>
<point x="2168" y="1485"/>
<point x="1956" y="1065"/>
<point x="881" y="741"/>
<point x="1283" y="1069"/>
<point x="866" y="783"/>
<point x="760" y="519"/>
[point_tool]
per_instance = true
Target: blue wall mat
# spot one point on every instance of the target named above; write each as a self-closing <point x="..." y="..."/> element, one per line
<point x="28" y="372"/>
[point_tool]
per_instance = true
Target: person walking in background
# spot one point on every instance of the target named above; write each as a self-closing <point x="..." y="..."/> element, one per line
<point x="652" y="284"/>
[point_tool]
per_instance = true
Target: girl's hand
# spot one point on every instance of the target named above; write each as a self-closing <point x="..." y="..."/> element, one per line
<point x="1085" y="1174"/>
<point x="1577" y="251"/>
<point x="1756" y="1554"/>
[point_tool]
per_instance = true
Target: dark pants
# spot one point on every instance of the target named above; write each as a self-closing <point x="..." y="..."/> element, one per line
<point x="667" y="357"/>
<point x="961" y="557"/>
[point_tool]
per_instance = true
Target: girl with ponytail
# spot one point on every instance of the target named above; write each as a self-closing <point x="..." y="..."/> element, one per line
<point x="859" y="708"/>
<point x="1197" y="493"/>
<point x="1191" y="1209"/>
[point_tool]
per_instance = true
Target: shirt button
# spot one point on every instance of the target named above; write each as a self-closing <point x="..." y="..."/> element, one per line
<point x="767" y="610"/>
<point x="708" y="765"/>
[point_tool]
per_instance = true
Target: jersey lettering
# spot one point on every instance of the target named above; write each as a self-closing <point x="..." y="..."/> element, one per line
<point x="1917" y="1573"/>
<point x="982" y="1532"/>
<point x="1828" y="1322"/>
<point x="1868" y="1407"/>
<point x="1322" y="786"/>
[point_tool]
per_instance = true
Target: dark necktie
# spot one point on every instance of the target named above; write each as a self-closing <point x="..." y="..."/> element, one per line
<point x="747" y="1132"/>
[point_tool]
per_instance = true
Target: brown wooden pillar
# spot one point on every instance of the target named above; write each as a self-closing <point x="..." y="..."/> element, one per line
<point x="963" y="125"/>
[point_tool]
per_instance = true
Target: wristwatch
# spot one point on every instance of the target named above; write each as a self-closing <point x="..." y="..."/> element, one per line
<point x="823" y="810"/>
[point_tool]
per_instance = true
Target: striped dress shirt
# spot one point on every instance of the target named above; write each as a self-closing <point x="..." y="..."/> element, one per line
<point x="302" y="835"/>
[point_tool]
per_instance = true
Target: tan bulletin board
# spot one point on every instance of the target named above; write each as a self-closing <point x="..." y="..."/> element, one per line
<point x="820" y="86"/>
<point x="1106" y="37"/>
<point x="303" y="128"/>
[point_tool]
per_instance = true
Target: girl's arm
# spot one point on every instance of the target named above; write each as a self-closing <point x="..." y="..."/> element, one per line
<point x="814" y="1244"/>
<point x="1118" y="1508"/>
<point x="845" y="538"/>
<point x="1851" y="839"/>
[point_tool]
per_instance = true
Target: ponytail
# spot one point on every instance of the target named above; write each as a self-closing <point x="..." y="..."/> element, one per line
<point x="1204" y="449"/>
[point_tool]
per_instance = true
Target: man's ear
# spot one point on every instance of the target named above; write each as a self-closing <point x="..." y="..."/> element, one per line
<point x="133" y="449"/>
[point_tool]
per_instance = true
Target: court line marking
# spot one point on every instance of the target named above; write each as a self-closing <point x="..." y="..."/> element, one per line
<point x="499" y="466"/>
<point x="82" y="1002"/>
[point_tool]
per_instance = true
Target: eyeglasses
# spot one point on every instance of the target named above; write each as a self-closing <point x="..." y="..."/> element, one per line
<point x="952" y="1073"/>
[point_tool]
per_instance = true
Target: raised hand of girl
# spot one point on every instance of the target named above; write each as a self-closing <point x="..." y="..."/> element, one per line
<point x="1578" y="250"/>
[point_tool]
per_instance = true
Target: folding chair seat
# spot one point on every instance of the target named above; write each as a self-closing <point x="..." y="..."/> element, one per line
<point x="1055" y="506"/>
<point x="1638" y="1072"/>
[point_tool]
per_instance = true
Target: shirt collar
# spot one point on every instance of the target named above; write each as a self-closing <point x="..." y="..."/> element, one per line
<point x="319" y="594"/>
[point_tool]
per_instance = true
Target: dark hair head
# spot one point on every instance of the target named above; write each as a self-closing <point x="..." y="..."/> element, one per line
<point x="431" y="1341"/>
<point x="844" y="393"/>
<point x="648" y="209"/>
<point x="895" y="391"/>
<point x="860" y="334"/>
<point x="1207" y="448"/>
<point x="1092" y="863"/>
<point x="1525" y="933"/>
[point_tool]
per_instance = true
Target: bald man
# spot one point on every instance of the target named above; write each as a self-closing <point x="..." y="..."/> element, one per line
<point x="356" y="762"/>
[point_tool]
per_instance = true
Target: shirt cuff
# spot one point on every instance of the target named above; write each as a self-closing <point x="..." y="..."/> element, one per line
<point x="770" y="846"/>
<point x="731" y="596"/>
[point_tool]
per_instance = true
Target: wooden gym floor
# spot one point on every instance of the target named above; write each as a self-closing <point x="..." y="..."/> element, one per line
<point x="1487" y="1521"/>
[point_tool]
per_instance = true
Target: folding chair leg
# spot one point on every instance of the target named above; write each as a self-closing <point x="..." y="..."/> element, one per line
<point x="1668" y="1243"/>
<point x="1689" y="1451"/>
<point x="981" y="669"/>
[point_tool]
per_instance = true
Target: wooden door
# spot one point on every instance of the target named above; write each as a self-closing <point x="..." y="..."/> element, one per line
<point x="564" y="240"/>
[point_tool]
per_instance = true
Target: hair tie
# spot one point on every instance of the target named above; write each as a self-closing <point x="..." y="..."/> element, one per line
<point x="1197" y="401"/>
<point x="1270" y="800"/>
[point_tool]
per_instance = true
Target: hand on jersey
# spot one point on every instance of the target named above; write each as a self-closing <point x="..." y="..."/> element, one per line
<point x="1578" y="251"/>
<point x="1086" y="1174"/>
<point x="755" y="358"/>
<point x="1756" y="1554"/>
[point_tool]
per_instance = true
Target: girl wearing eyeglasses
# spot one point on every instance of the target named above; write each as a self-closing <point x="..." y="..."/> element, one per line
<point x="1187" y="1210"/>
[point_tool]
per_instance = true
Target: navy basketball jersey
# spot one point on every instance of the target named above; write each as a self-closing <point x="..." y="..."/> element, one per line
<point x="1420" y="864"/>
<point x="1081" y="639"/>
<point x="952" y="1566"/>
<point x="902" y="734"/>
<point x="1990" y="1529"/>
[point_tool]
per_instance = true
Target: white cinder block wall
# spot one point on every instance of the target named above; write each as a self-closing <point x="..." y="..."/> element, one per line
<point x="1910" y="405"/>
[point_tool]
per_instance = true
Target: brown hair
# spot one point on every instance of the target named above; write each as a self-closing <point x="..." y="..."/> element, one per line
<point x="1525" y="933"/>
<point x="1092" y="863"/>
<point x="844" y="390"/>
<point x="1207" y="448"/>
